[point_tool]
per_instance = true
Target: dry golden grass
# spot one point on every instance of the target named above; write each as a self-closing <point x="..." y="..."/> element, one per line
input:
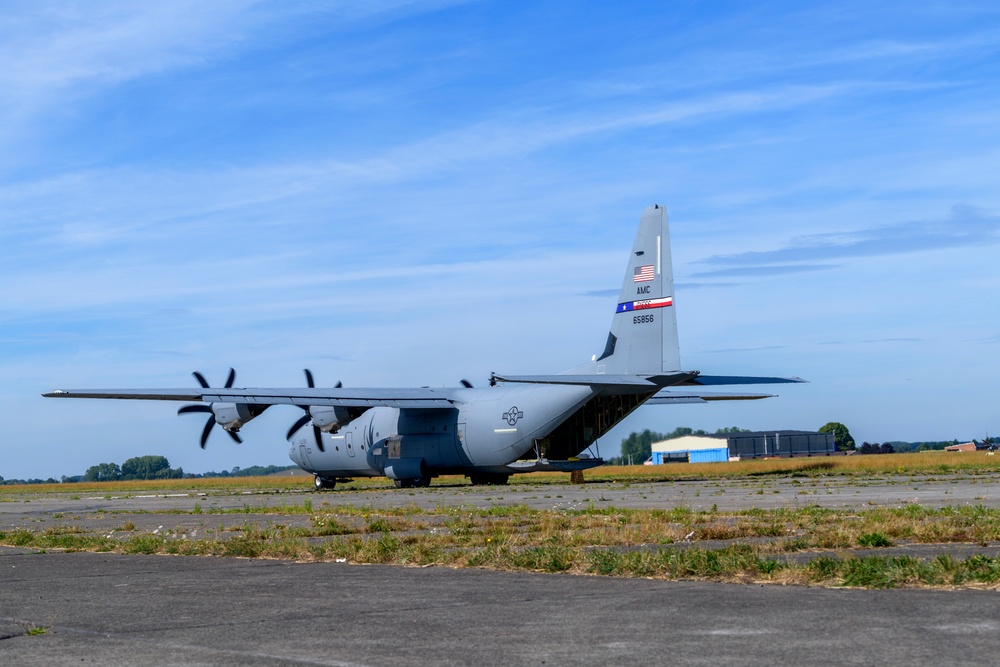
<point x="918" y="463"/>
<point x="205" y="484"/>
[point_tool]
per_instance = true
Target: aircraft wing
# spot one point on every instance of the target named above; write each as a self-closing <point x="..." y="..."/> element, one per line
<point x="362" y="398"/>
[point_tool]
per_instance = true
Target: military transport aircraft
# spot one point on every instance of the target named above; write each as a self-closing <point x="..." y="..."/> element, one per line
<point x="520" y="423"/>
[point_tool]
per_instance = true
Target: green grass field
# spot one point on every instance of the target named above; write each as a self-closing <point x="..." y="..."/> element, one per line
<point x="806" y="545"/>
<point x="920" y="463"/>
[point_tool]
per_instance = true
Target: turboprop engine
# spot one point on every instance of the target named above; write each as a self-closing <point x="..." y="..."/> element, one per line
<point x="329" y="418"/>
<point x="232" y="416"/>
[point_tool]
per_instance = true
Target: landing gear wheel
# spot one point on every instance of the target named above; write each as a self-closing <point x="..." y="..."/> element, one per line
<point x="415" y="482"/>
<point x="489" y="479"/>
<point x="320" y="483"/>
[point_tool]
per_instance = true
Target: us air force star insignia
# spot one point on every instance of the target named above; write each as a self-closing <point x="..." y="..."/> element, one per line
<point x="513" y="415"/>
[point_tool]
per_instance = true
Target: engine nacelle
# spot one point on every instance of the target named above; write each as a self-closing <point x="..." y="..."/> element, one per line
<point x="329" y="418"/>
<point x="232" y="416"/>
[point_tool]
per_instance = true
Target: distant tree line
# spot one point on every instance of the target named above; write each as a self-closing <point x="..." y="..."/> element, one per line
<point x="875" y="448"/>
<point x="928" y="446"/>
<point x="138" y="467"/>
<point x="252" y="471"/>
<point x="147" y="467"/>
<point x="34" y="480"/>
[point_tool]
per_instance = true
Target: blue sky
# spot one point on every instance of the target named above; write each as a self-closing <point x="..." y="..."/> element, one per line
<point x="412" y="193"/>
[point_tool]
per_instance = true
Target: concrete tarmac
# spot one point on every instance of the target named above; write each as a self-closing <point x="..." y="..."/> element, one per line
<point x="161" y="610"/>
<point x="166" y="610"/>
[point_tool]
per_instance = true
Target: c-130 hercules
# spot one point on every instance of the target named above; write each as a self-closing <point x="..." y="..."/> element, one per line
<point x="520" y="423"/>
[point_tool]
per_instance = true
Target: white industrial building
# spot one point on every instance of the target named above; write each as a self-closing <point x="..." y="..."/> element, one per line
<point x="742" y="445"/>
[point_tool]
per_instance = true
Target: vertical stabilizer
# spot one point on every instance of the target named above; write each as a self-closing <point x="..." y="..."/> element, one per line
<point x="643" y="337"/>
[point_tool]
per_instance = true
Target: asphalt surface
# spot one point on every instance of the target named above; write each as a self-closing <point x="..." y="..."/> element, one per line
<point x="835" y="492"/>
<point x="157" y="610"/>
<point x="161" y="610"/>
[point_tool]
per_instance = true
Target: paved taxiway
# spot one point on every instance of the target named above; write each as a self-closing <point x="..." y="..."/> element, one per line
<point x="111" y="609"/>
<point x="156" y="610"/>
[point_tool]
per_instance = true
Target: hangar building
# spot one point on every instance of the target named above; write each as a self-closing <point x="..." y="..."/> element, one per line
<point x="743" y="445"/>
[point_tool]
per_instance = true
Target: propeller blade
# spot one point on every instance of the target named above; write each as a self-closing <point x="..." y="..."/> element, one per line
<point x="302" y="421"/>
<point x="466" y="384"/>
<point x="338" y="385"/>
<point x="206" y="431"/>
<point x="236" y="437"/>
<point x="197" y="407"/>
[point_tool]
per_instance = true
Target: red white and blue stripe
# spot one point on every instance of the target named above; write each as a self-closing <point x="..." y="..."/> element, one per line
<point x="643" y="305"/>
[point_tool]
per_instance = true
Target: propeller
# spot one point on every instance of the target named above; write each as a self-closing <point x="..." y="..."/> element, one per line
<point x="466" y="384"/>
<point x="200" y="407"/>
<point x="306" y="418"/>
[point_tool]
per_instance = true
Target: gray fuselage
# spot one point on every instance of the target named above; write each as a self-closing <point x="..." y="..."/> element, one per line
<point x="489" y="429"/>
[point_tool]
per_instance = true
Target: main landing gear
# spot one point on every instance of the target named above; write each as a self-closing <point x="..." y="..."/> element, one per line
<point x="321" y="483"/>
<point x="416" y="482"/>
<point x="489" y="479"/>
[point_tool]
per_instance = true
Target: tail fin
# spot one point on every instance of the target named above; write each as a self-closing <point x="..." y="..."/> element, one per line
<point x="643" y="336"/>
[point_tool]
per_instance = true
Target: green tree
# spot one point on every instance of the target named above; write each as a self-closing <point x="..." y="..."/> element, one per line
<point x="103" y="472"/>
<point x="146" y="467"/>
<point x="637" y="447"/>
<point x="841" y="435"/>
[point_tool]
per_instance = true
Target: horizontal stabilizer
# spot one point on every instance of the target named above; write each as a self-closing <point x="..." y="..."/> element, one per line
<point x="590" y="380"/>
<point x="716" y="380"/>
<point x="673" y="397"/>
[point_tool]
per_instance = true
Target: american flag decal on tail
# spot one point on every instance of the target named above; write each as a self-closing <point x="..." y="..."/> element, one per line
<point x="643" y="274"/>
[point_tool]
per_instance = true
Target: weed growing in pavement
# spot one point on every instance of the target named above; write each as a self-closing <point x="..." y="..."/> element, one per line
<point x="675" y="543"/>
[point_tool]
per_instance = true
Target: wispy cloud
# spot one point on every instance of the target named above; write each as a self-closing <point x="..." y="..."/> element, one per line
<point x="759" y="348"/>
<point x="61" y="52"/>
<point x="401" y="195"/>
<point x="966" y="226"/>
<point x="777" y="270"/>
<point x="875" y="341"/>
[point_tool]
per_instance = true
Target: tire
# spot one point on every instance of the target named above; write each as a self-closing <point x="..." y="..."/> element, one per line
<point x="415" y="482"/>
<point x="489" y="479"/>
<point x="321" y="484"/>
